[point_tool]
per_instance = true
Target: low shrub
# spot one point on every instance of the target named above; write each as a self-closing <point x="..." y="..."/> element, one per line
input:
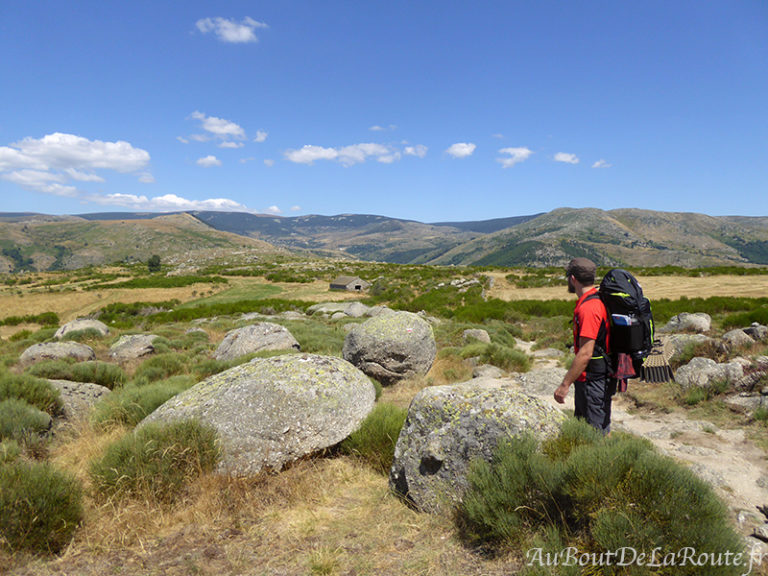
<point x="35" y="391"/>
<point x="596" y="494"/>
<point x="374" y="442"/>
<point x="86" y="335"/>
<point x="19" y="420"/>
<point x="40" y="507"/>
<point x="95" y="372"/>
<point x="498" y="355"/>
<point x="9" y="451"/>
<point x="131" y="404"/>
<point x="160" y="367"/>
<point x="156" y="462"/>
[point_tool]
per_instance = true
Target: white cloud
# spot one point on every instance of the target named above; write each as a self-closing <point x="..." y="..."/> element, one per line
<point x="261" y="136"/>
<point x="273" y="210"/>
<point x="269" y="162"/>
<point x="461" y="149"/>
<point x="309" y="153"/>
<point x="146" y="178"/>
<point x="229" y="144"/>
<point x="83" y="176"/>
<point x="498" y="136"/>
<point x="513" y="156"/>
<point x="231" y="31"/>
<point x="208" y="162"/>
<point x="62" y="151"/>
<point x="601" y="164"/>
<point x="182" y="139"/>
<point x="345" y="155"/>
<point x="377" y="128"/>
<point x="219" y="127"/>
<point x="295" y="208"/>
<point x="566" y="158"/>
<point x="420" y="151"/>
<point x="50" y="163"/>
<point x="167" y="203"/>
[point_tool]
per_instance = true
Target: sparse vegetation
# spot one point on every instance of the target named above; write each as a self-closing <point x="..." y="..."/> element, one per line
<point x="157" y="462"/>
<point x="374" y="442"/>
<point x="598" y="494"/>
<point x="40" y="506"/>
<point x="323" y="507"/>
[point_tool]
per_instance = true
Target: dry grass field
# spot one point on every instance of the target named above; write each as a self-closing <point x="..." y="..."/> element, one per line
<point x="654" y="287"/>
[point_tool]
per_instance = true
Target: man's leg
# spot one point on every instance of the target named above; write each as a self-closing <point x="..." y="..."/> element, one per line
<point x="598" y="397"/>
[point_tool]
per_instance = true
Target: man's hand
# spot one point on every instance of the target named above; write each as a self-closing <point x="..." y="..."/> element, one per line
<point x="562" y="392"/>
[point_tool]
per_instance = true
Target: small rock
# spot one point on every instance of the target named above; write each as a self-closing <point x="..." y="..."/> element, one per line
<point x="82" y="324"/>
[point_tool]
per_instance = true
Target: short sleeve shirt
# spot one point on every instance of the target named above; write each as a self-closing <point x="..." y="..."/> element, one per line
<point x="588" y="316"/>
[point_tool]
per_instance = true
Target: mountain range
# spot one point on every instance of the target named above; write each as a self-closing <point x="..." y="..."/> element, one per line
<point x="624" y="237"/>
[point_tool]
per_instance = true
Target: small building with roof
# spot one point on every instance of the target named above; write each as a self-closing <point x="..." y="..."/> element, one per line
<point x="350" y="283"/>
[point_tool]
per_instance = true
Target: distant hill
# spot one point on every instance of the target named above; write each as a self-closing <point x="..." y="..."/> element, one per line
<point x="626" y="237"/>
<point x="39" y="242"/>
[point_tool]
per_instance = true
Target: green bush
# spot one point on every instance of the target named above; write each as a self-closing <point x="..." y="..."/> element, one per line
<point x="35" y="391"/>
<point x="374" y="442"/>
<point x="156" y="462"/>
<point x="95" y="372"/>
<point x="86" y="335"/>
<point x="599" y="494"/>
<point x="19" y="420"/>
<point x="160" y="367"/>
<point x="40" y="507"/>
<point x="498" y="355"/>
<point x="9" y="451"/>
<point x="131" y="404"/>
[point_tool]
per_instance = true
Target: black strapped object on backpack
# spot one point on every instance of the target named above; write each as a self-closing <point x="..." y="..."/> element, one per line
<point x="630" y="315"/>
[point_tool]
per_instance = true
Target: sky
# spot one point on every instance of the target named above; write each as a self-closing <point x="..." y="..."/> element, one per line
<point x="417" y="109"/>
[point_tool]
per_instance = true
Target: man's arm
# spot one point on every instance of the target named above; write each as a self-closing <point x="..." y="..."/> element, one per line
<point x="579" y="364"/>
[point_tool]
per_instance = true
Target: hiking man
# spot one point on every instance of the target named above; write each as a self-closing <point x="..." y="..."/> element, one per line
<point x="590" y="369"/>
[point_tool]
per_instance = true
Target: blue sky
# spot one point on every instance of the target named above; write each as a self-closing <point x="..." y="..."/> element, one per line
<point x="425" y="110"/>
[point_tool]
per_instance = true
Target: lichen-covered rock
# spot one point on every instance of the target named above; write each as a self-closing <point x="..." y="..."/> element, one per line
<point x="57" y="351"/>
<point x="676" y="344"/>
<point x="704" y="372"/>
<point x="476" y="334"/>
<point x="449" y="426"/>
<point x="254" y="338"/>
<point x="273" y="411"/>
<point x="540" y="381"/>
<point x="757" y="331"/>
<point x="698" y="322"/>
<point x="391" y="347"/>
<point x="737" y="338"/>
<point x="79" y="398"/>
<point x="130" y="347"/>
<point x="82" y="324"/>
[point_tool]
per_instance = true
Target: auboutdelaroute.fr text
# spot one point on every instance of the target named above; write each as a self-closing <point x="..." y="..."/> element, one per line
<point x="655" y="558"/>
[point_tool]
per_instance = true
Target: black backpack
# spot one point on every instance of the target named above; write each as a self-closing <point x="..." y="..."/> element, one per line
<point x="630" y="315"/>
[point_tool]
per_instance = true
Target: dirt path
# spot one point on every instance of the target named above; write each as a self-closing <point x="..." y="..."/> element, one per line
<point x="734" y="466"/>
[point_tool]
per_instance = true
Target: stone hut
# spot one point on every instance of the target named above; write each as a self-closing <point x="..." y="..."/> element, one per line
<point x="351" y="283"/>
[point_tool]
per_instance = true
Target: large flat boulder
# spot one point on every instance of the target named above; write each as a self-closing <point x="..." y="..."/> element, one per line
<point x="698" y="322"/>
<point x="57" y="351"/>
<point x="82" y="324"/>
<point x="273" y="411"/>
<point x="704" y="372"/>
<point x="391" y="347"/>
<point x="255" y="338"/>
<point x="132" y="346"/>
<point x="79" y="398"/>
<point x="449" y="426"/>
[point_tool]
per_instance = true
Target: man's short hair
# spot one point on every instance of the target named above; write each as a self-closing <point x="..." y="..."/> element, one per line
<point x="583" y="270"/>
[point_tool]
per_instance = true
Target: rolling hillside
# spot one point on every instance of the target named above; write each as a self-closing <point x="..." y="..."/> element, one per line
<point x="35" y="242"/>
<point x="626" y="237"/>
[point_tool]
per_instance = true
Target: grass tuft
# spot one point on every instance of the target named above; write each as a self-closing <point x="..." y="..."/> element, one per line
<point x="157" y="462"/>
